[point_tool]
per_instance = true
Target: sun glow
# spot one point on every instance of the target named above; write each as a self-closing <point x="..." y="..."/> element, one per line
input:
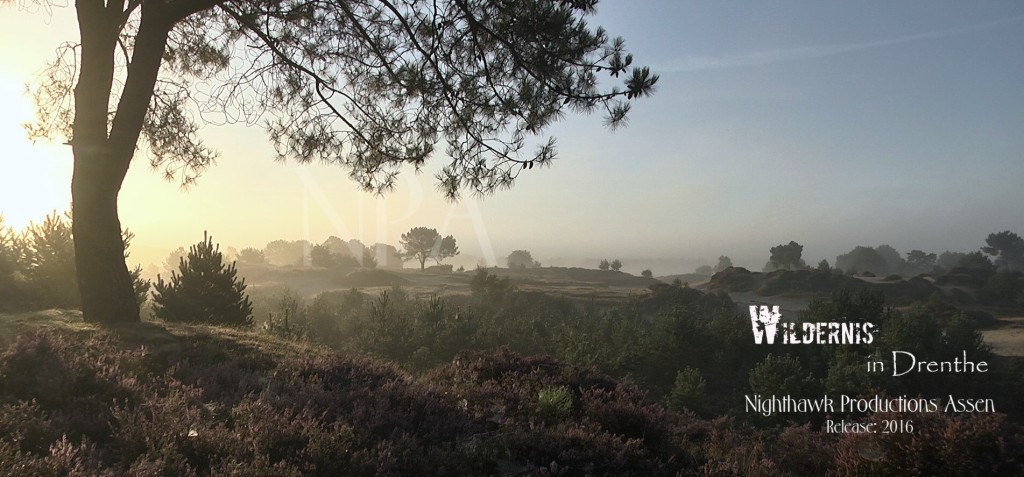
<point x="35" y="178"/>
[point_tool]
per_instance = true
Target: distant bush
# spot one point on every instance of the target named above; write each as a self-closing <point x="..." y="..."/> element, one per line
<point x="735" y="279"/>
<point x="521" y="259"/>
<point x="203" y="290"/>
<point x="442" y="268"/>
<point x="488" y="287"/>
<point x="252" y="255"/>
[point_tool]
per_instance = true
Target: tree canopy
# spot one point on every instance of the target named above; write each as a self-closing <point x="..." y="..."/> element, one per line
<point x="1008" y="247"/>
<point x="787" y="256"/>
<point x="422" y="243"/>
<point x="368" y="84"/>
<point x="723" y="263"/>
<point x="521" y="259"/>
<point x="920" y="261"/>
<point x="371" y="85"/>
<point x="863" y="259"/>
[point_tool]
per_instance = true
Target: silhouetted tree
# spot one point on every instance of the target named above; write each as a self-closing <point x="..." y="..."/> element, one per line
<point x="286" y="253"/>
<point x="948" y="260"/>
<point x="647" y="273"/>
<point x="171" y="262"/>
<point x="823" y="266"/>
<point x="321" y="256"/>
<point x="787" y="256"/>
<point x="369" y="85"/>
<point x="252" y="255"/>
<point x="422" y="243"/>
<point x="863" y="259"/>
<point x="50" y="261"/>
<point x="140" y="285"/>
<point x="521" y="259"/>
<point x="920" y="262"/>
<point x="203" y="290"/>
<point x="10" y="265"/>
<point x="37" y="267"/>
<point x="1007" y="247"/>
<point x="893" y="260"/>
<point x="448" y="249"/>
<point x="975" y="260"/>
<point x="723" y="263"/>
<point x="369" y="259"/>
<point x="387" y="256"/>
<point x="616" y="265"/>
<point x="604" y="265"/>
<point x="336" y="245"/>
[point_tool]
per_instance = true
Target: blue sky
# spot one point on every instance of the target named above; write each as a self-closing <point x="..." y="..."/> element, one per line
<point x="834" y="124"/>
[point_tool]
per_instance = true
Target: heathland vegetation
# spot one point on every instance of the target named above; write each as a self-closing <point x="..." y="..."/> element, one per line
<point x="499" y="380"/>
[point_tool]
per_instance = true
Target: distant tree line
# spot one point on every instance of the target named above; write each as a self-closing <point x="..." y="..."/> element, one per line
<point x="723" y="263"/>
<point x="1006" y="249"/>
<point x="419" y="244"/>
<point x="331" y="253"/>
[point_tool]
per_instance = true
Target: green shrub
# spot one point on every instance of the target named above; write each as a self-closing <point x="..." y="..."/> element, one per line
<point x="203" y="290"/>
<point x="51" y="262"/>
<point x="781" y="375"/>
<point x="688" y="392"/>
<point x="554" y="401"/>
<point x="11" y="267"/>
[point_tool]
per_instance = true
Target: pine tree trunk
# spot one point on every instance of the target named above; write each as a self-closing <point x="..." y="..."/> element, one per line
<point x="103" y="279"/>
<point x="102" y="155"/>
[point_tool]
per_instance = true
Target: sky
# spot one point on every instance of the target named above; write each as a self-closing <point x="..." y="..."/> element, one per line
<point x="834" y="124"/>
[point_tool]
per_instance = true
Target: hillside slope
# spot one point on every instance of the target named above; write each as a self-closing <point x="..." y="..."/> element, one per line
<point x="162" y="399"/>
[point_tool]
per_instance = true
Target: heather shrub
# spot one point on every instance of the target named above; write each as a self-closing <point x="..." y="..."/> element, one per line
<point x="194" y="400"/>
<point x="941" y="444"/>
<point x="605" y="428"/>
<point x="800" y="450"/>
<point x="731" y="450"/>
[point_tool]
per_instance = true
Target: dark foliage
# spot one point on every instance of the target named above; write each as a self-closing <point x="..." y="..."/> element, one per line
<point x="203" y="290"/>
<point x="37" y="266"/>
<point x="98" y="404"/>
